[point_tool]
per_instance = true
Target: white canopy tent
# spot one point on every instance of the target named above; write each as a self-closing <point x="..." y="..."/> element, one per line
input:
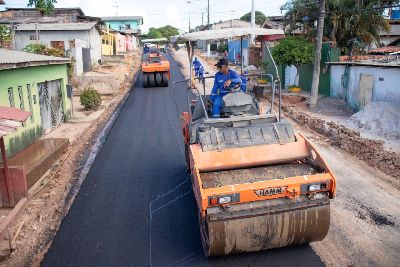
<point x="225" y="34"/>
<point x="154" y="40"/>
<point x="218" y="34"/>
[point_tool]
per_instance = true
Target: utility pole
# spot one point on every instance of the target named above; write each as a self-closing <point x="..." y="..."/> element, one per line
<point x="233" y="17"/>
<point x="208" y="27"/>
<point x="202" y="18"/>
<point x="188" y="2"/>
<point x="116" y="7"/>
<point x="36" y="33"/>
<point x="253" y="18"/>
<point x="317" y="60"/>
<point x="208" y="16"/>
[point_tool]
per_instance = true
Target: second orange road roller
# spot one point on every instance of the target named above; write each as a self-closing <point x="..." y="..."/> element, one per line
<point x="155" y="69"/>
<point x="257" y="184"/>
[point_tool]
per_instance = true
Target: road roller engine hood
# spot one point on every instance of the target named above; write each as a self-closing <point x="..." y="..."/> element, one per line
<point x="217" y="134"/>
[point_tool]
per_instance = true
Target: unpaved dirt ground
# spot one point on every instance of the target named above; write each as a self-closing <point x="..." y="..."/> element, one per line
<point x="365" y="227"/>
<point x="39" y="222"/>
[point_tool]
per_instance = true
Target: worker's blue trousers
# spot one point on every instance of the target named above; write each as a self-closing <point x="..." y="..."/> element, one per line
<point x="216" y="107"/>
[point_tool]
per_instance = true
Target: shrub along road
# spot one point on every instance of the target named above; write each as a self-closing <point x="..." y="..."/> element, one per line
<point x="136" y="206"/>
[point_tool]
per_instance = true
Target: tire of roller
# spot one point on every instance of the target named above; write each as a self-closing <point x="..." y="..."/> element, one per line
<point x="145" y="80"/>
<point x="151" y="80"/>
<point x="165" y="79"/>
<point x="158" y="79"/>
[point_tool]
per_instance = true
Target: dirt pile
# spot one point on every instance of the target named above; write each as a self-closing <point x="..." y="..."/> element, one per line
<point x="378" y="118"/>
<point x="371" y="151"/>
<point x="333" y="106"/>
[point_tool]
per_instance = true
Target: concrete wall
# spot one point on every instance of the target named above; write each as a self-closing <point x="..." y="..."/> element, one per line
<point x="76" y="53"/>
<point x="386" y="83"/>
<point x="128" y="42"/>
<point x="134" y="42"/>
<point x="95" y="45"/>
<point x="120" y="43"/>
<point x="31" y="76"/>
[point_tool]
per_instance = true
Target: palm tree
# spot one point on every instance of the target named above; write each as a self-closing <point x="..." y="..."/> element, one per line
<point x="345" y="20"/>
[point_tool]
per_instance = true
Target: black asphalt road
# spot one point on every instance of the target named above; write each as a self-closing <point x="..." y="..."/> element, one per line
<point x="136" y="206"/>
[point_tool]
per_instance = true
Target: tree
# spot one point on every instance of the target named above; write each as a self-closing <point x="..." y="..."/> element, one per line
<point x="260" y="17"/>
<point x="317" y="59"/>
<point x="165" y="31"/>
<point x="45" y="6"/>
<point x="293" y="51"/>
<point x="345" y="20"/>
<point x="154" y="33"/>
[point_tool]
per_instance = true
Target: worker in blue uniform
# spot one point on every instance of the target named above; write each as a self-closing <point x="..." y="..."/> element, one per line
<point x="226" y="80"/>
<point x="196" y="66"/>
<point x="201" y="72"/>
<point x="146" y="49"/>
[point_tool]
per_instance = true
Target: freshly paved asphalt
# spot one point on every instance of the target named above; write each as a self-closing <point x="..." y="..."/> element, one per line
<point x="136" y="206"/>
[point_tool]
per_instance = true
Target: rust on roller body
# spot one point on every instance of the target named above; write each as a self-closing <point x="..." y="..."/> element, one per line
<point x="273" y="229"/>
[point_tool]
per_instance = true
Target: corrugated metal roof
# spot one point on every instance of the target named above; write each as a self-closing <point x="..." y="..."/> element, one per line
<point x="122" y="18"/>
<point x="81" y="26"/>
<point x="10" y="57"/>
<point x="386" y="49"/>
<point x="394" y="29"/>
<point x="394" y="63"/>
<point x="24" y="20"/>
<point x="11" y="119"/>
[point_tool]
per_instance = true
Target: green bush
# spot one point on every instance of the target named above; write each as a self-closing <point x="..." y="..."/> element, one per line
<point x="90" y="98"/>
<point x="222" y="48"/>
<point x="42" y="49"/>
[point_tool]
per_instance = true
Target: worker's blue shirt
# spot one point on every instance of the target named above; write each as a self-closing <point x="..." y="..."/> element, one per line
<point x="196" y="63"/>
<point x="220" y="79"/>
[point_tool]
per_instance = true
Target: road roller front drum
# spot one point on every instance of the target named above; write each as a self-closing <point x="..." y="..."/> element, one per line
<point x="267" y="231"/>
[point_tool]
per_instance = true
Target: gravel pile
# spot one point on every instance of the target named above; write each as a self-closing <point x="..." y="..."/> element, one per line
<point x="378" y="118"/>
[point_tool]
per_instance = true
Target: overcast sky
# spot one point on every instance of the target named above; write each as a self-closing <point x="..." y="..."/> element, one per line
<point x="158" y="13"/>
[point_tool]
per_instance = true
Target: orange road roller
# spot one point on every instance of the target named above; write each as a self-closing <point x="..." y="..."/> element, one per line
<point x="257" y="184"/>
<point x="155" y="70"/>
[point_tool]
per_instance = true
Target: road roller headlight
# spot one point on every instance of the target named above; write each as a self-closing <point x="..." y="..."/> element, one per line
<point x="224" y="200"/>
<point x="314" y="187"/>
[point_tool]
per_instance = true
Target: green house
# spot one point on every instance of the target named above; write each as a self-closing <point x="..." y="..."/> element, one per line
<point x="35" y="83"/>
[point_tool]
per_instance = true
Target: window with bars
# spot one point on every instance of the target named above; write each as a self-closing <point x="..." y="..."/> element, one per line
<point x="21" y="101"/>
<point x="28" y="89"/>
<point x="21" y="98"/>
<point x="11" y="97"/>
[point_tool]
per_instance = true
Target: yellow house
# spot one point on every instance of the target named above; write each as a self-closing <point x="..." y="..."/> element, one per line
<point x="107" y="43"/>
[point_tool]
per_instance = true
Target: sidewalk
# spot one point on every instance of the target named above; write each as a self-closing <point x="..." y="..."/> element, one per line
<point x="52" y="163"/>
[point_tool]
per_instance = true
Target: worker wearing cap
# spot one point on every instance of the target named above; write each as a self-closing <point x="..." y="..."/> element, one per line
<point x="225" y="81"/>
